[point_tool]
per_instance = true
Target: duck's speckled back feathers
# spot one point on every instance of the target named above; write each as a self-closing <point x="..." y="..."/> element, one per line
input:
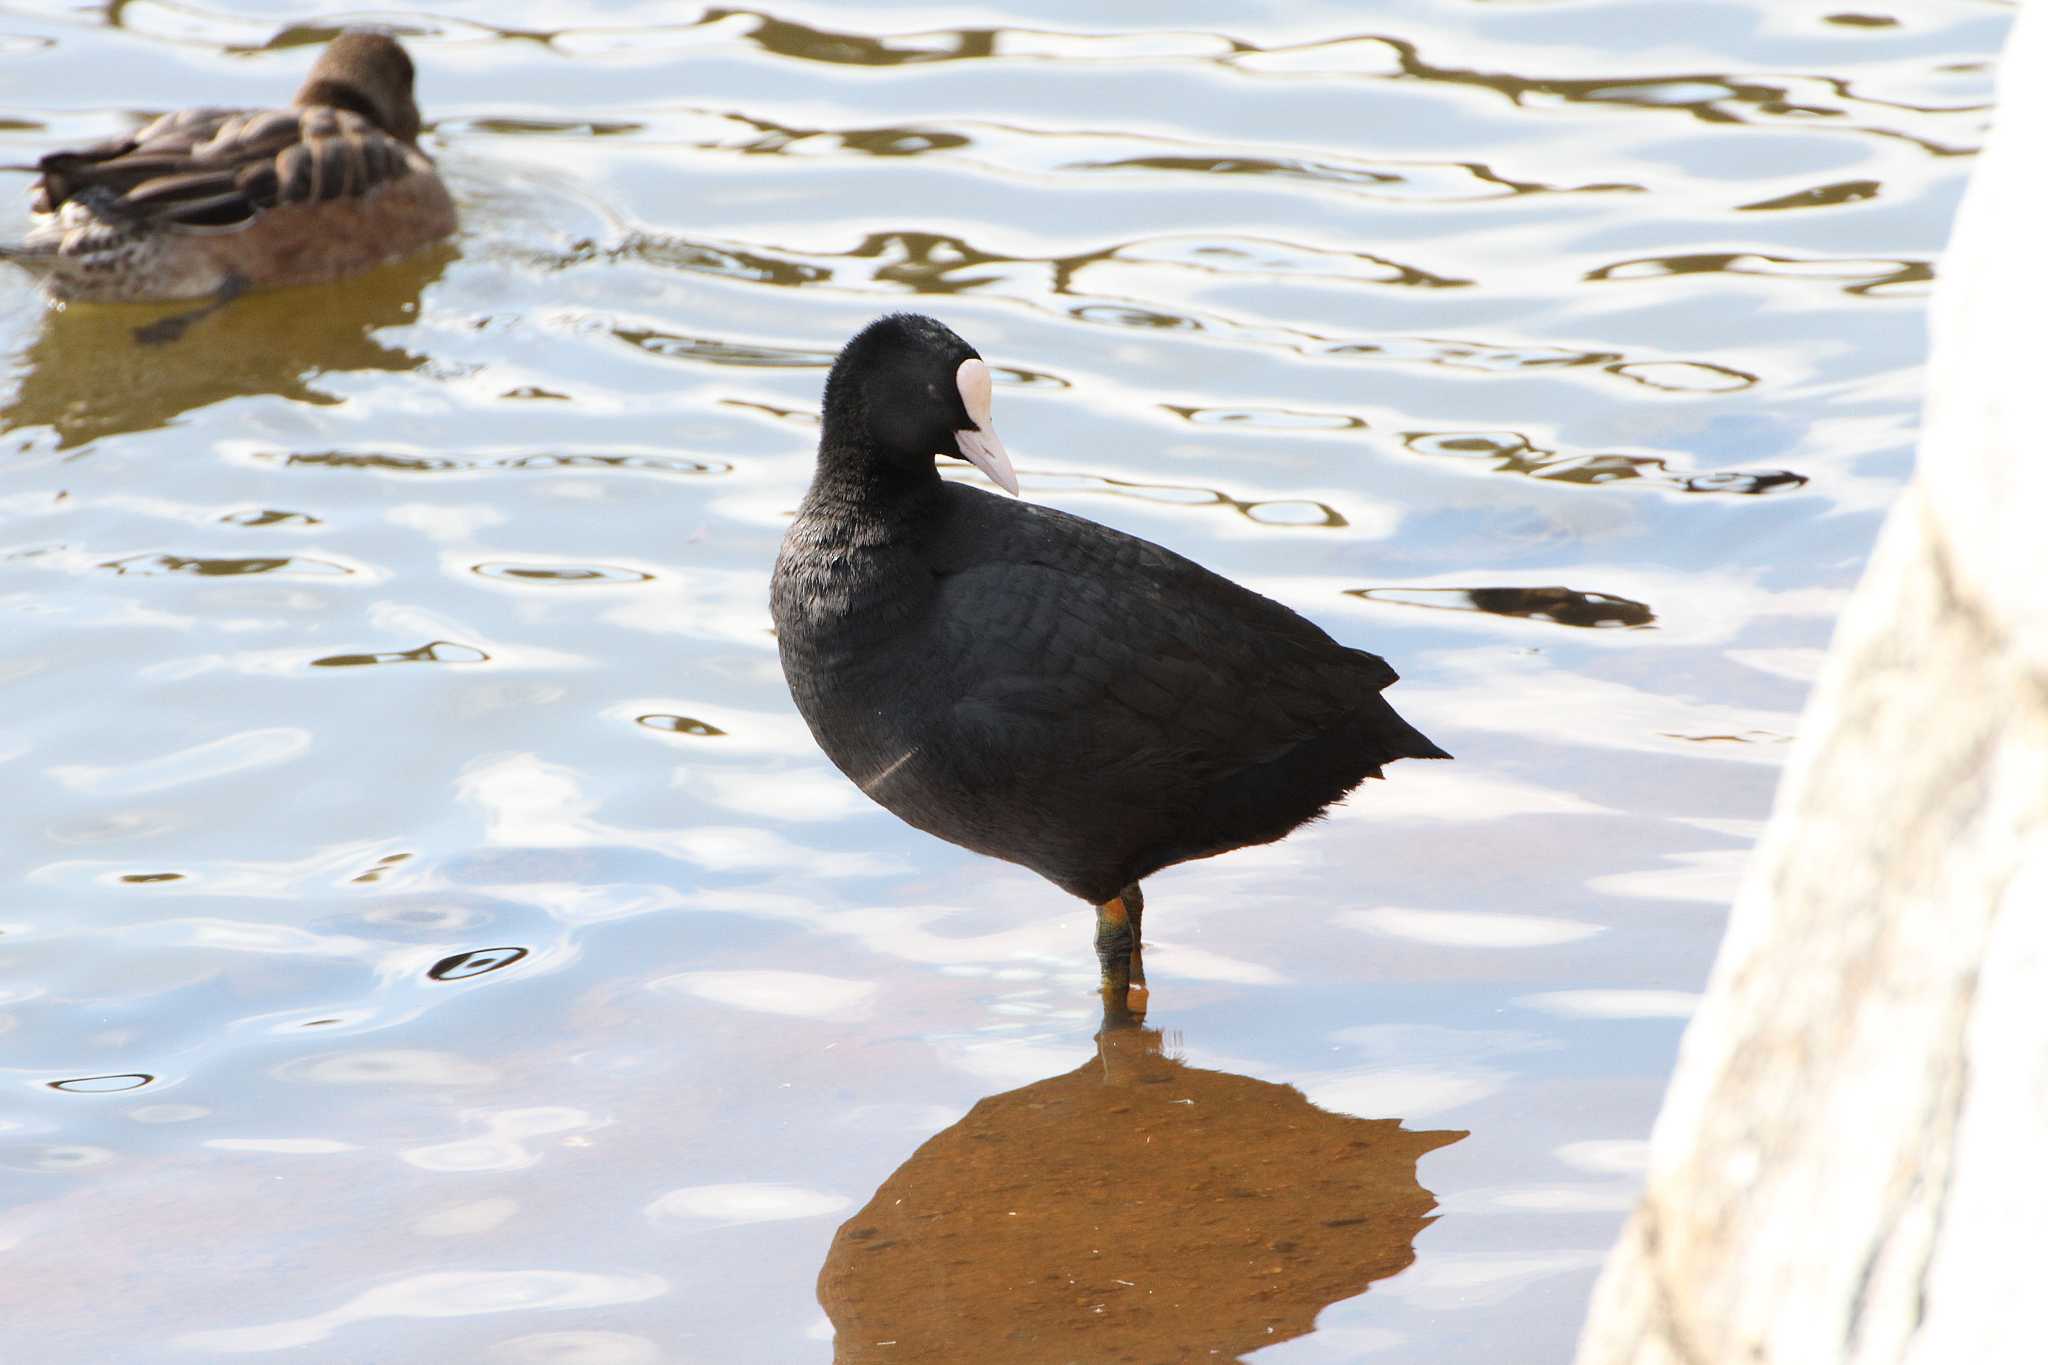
<point x="1049" y="691"/>
<point x="348" y="131"/>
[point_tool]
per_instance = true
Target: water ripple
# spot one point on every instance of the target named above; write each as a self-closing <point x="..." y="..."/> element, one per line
<point x="385" y="462"/>
<point x="268" y="516"/>
<point x="559" y="575"/>
<point x="1421" y="182"/>
<point x="1820" y="196"/>
<point x="1557" y="605"/>
<point x="433" y="652"/>
<point x="1707" y="96"/>
<point x="941" y="264"/>
<point x="288" y="566"/>
<point x="1878" y="278"/>
<point x="1513" y="453"/>
<point x="1268" y="419"/>
<point x="1265" y="511"/>
<point x="1030" y="153"/>
<point x="476" y="962"/>
<point x="103" y="1085"/>
<point x="437" y="1294"/>
<point x="718" y="351"/>
<point x="678" y="725"/>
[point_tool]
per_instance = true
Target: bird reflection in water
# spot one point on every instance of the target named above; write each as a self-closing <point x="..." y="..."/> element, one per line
<point x="1136" y="1208"/>
<point x="87" y="376"/>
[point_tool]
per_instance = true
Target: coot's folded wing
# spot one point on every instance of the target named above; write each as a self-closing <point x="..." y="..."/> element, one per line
<point x="1063" y="644"/>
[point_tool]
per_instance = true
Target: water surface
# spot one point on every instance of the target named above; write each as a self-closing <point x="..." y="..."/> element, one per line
<point x="432" y="934"/>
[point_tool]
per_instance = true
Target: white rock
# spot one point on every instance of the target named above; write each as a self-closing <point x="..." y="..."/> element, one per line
<point x="1852" y="1163"/>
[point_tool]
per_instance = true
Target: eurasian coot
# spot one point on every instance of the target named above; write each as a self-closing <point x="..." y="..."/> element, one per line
<point x="1036" y="687"/>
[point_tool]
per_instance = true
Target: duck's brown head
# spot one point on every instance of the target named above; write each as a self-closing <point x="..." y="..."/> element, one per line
<point x="369" y="74"/>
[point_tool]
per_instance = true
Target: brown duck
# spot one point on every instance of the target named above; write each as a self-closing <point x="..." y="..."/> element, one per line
<point x="213" y="201"/>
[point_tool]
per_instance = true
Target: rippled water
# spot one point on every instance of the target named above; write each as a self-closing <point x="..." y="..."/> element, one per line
<point x="434" y="936"/>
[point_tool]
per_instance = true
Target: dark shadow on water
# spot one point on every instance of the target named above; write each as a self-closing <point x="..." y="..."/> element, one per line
<point x="1136" y="1208"/>
<point x="87" y="376"/>
<point x="1558" y="605"/>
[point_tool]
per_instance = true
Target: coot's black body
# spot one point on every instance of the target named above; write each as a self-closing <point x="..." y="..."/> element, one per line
<point x="1034" y="686"/>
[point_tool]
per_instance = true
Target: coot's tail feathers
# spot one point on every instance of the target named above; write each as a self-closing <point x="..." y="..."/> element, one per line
<point x="1425" y="749"/>
<point x="1399" y="738"/>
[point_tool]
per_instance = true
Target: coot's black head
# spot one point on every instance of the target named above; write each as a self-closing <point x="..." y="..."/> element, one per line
<point x="904" y="391"/>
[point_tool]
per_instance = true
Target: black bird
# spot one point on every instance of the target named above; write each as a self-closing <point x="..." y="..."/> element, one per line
<point x="1036" y="687"/>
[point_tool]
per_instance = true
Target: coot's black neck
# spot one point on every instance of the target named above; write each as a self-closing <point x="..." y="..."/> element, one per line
<point x="851" y="573"/>
<point x="871" y="486"/>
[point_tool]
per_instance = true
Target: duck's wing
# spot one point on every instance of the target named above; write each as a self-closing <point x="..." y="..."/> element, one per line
<point x="216" y="169"/>
<point x="1058" y="641"/>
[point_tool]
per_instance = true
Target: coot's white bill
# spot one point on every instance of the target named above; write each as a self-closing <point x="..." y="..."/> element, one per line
<point x="979" y="443"/>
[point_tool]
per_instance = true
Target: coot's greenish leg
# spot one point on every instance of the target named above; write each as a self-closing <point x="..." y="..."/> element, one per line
<point x="1134" y="909"/>
<point x="1117" y="1018"/>
<point x="1120" y="1015"/>
<point x="1114" y="937"/>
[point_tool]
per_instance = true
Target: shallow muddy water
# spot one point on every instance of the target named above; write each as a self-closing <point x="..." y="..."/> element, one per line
<point x="431" y="935"/>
